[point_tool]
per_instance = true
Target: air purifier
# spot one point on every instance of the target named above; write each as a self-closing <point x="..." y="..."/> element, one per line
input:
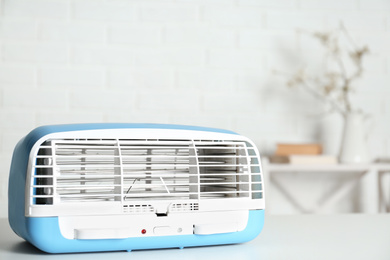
<point x="112" y="187"/>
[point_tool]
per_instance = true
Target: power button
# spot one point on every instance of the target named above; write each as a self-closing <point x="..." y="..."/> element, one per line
<point x="163" y="230"/>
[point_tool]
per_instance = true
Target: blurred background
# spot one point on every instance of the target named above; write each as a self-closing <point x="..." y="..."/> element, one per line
<point x="215" y="63"/>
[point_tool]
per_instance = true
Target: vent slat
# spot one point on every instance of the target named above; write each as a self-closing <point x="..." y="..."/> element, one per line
<point x="168" y="156"/>
<point x="135" y="165"/>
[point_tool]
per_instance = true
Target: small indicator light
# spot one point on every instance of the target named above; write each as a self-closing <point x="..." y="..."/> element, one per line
<point x="143" y="231"/>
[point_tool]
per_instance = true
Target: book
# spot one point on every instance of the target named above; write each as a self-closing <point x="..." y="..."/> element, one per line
<point x="304" y="159"/>
<point x="291" y="149"/>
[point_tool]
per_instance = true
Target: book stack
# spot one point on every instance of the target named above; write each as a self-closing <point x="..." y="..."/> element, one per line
<point x="301" y="154"/>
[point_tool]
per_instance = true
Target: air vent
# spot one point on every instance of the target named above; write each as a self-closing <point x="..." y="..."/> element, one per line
<point x="135" y="171"/>
<point x="180" y="207"/>
<point x="138" y="209"/>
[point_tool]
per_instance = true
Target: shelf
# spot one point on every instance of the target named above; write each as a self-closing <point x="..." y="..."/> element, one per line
<point x="271" y="167"/>
<point x="368" y="174"/>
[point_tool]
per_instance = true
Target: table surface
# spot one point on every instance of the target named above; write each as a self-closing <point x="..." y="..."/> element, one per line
<point x="354" y="236"/>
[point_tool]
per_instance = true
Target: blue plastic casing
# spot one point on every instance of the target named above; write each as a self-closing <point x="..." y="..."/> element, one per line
<point x="44" y="232"/>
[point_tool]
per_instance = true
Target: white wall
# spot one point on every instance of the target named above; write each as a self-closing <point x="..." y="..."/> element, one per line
<point x="195" y="62"/>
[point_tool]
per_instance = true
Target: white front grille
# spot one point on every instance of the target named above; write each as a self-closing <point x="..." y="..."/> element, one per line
<point x="135" y="171"/>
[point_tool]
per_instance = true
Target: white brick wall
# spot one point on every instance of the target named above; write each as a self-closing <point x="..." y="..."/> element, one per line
<point x="174" y="102"/>
<point x="71" y="77"/>
<point x="329" y="5"/>
<point x="169" y="12"/>
<point x="233" y="16"/>
<point x="291" y="20"/>
<point x="17" y="29"/>
<point x="135" y="34"/>
<point x="15" y="75"/>
<point x="27" y="99"/>
<point x="221" y="80"/>
<point x="199" y="35"/>
<point x="172" y="56"/>
<point x="198" y="62"/>
<point x="236" y="59"/>
<point x="57" y="9"/>
<point x="370" y="21"/>
<point x="117" y="56"/>
<point x="75" y="32"/>
<point x="133" y="77"/>
<point x="35" y="52"/>
<point x="100" y="10"/>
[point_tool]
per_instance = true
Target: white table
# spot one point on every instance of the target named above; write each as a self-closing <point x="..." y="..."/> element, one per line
<point x="318" y="237"/>
<point x="369" y="174"/>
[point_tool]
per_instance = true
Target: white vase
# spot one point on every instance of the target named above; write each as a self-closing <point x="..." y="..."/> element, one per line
<point x="354" y="143"/>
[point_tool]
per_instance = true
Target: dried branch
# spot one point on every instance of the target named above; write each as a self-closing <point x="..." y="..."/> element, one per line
<point x="334" y="87"/>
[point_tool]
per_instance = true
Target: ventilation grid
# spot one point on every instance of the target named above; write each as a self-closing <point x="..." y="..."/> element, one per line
<point x="179" y="207"/>
<point x="91" y="170"/>
<point x="138" y="209"/>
